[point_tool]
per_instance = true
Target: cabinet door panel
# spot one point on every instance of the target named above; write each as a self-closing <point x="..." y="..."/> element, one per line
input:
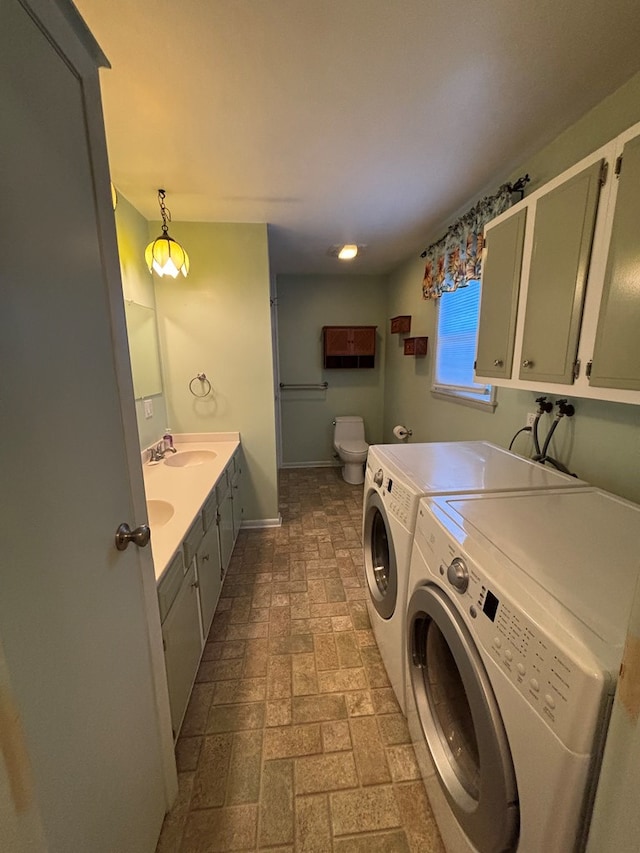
<point x="209" y="577"/>
<point x="616" y="357"/>
<point x="364" y="340"/>
<point x="338" y="340"/>
<point x="563" y="235"/>
<point x="225" y="529"/>
<point x="182" y="646"/>
<point x="499" y="301"/>
<point x="237" y="503"/>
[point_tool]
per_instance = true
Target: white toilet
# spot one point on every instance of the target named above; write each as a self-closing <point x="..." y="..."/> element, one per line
<point x="349" y="443"/>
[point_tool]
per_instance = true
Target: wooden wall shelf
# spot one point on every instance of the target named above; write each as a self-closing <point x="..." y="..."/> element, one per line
<point x="401" y="325"/>
<point x="415" y="346"/>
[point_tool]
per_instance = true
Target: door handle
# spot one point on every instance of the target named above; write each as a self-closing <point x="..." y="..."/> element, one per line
<point x="140" y="536"/>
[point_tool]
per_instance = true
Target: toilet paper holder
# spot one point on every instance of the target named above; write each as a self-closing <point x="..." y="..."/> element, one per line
<point x="402" y="432"/>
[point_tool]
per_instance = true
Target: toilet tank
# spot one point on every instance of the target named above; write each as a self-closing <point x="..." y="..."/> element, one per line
<point x="348" y="428"/>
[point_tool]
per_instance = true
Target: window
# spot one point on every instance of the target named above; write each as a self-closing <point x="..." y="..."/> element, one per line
<point x="458" y="314"/>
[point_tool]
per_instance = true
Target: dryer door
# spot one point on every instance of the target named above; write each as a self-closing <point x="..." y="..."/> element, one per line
<point x="461" y="722"/>
<point x="380" y="564"/>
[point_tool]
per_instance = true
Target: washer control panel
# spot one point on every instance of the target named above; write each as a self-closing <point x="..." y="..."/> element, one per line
<point x="557" y="678"/>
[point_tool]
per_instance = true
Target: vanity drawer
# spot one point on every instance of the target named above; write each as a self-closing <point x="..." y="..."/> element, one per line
<point x="209" y="510"/>
<point x="192" y="540"/>
<point x="170" y="584"/>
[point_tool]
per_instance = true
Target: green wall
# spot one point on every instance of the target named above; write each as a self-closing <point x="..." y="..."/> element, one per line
<point x="137" y="285"/>
<point x="602" y="442"/>
<point x="304" y="305"/>
<point x="217" y="321"/>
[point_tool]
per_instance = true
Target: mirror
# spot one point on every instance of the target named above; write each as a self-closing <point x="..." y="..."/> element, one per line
<point x="143" y="349"/>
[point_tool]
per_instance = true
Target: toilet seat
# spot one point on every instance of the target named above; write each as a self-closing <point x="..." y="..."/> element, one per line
<point x="353" y="451"/>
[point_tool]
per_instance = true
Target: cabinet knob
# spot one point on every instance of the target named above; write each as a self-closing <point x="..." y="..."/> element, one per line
<point x="195" y="585"/>
<point x="527" y="363"/>
<point x="498" y="362"/>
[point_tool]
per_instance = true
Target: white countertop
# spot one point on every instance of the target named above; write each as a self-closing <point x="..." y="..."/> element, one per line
<point x="186" y="489"/>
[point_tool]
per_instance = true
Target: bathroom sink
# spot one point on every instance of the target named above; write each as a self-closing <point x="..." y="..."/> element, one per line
<point x="188" y="458"/>
<point x="159" y="512"/>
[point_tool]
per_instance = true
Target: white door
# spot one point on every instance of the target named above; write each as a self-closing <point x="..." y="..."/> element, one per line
<point x="73" y="619"/>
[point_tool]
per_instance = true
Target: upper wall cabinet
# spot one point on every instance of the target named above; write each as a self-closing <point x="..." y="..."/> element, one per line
<point x="349" y="346"/>
<point x="561" y="283"/>
<point x="616" y="356"/>
<point x="502" y="266"/>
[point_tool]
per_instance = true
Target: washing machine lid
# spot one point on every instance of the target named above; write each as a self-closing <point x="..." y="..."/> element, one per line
<point x="582" y="546"/>
<point x="457" y="467"/>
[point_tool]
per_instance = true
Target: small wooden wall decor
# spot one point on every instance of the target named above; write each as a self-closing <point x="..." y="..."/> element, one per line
<point x="415" y="346"/>
<point x="401" y="325"/>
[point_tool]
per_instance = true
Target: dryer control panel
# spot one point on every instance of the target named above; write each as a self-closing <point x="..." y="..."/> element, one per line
<point x="399" y="501"/>
<point x="554" y="673"/>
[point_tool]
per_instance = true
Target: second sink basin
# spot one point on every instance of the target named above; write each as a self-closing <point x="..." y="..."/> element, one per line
<point x="188" y="458"/>
<point x="159" y="512"/>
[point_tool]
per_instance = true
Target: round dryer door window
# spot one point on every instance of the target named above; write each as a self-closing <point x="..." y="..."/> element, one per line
<point x="379" y="558"/>
<point x="461" y="722"/>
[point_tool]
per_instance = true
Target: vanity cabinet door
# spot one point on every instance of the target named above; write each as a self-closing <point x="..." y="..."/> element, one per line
<point x="562" y="239"/>
<point x="209" y="577"/>
<point x="225" y="530"/>
<point x="237" y="509"/>
<point x="500" y="290"/>
<point x="616" y="356"/>
<point x="182" y="646"/>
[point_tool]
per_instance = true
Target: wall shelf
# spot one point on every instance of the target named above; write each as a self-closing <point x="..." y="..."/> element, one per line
<point x="401" y="325"/>
<point x="415" y="346"/>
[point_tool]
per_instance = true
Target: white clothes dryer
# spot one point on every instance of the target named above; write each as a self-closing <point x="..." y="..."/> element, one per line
<point x="517" y="615"/>
<point x="397" y="476"/>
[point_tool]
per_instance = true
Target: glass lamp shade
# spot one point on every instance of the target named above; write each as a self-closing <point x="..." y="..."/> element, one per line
<point x="166" y="257"/>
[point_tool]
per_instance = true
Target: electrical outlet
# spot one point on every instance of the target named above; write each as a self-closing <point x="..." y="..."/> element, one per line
<point x="531" y="416"/>
<point x="148" y="408"/>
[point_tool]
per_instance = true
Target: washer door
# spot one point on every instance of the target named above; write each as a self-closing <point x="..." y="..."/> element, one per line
<point x="461" y="722"/>
<point x="380" y="565"/>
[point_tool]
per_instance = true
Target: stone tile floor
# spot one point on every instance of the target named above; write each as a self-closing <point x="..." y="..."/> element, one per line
<point x="293" y="739"/>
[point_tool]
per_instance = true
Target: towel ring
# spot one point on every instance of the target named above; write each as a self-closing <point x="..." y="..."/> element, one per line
<point x="203" y="378"/>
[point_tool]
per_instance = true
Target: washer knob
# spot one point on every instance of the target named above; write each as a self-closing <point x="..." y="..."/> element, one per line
<point x="378" y="477"/>
<point x="458" y="575"/>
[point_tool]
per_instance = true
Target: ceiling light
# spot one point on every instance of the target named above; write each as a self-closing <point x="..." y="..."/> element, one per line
<point x="348" y="252"/>
<point x="164" y="254"/>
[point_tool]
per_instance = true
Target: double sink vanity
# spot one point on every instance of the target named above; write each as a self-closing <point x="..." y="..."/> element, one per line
<point x="194" y="513"/>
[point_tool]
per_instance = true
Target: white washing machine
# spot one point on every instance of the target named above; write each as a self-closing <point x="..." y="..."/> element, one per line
<point x="517" y="614"/>
<point x="397" y="476"/>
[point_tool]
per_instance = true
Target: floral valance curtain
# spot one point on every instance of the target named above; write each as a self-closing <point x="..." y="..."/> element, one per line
<point x="455" y="259"/>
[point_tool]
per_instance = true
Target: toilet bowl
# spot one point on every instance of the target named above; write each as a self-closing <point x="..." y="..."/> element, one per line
<point x="349" y="444"/>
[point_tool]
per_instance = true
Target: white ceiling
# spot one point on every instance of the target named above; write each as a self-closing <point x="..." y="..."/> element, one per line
<point x="359" y="121"/>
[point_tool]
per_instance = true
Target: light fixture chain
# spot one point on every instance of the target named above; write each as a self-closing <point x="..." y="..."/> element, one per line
<point x="164" y="211"/>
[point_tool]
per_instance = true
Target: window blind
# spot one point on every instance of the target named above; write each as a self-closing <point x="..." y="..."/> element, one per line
<point x="458" y="314"/>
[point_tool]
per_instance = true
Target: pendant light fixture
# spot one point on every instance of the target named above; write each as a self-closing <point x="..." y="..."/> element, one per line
<point x="164" y="254"/>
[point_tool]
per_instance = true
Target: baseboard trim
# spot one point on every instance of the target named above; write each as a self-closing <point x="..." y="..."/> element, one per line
<point x="310" y="465"/>
<point x="261" y="522"/>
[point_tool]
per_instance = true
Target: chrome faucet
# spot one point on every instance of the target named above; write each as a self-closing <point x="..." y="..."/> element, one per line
<point x="157" y="453"/>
